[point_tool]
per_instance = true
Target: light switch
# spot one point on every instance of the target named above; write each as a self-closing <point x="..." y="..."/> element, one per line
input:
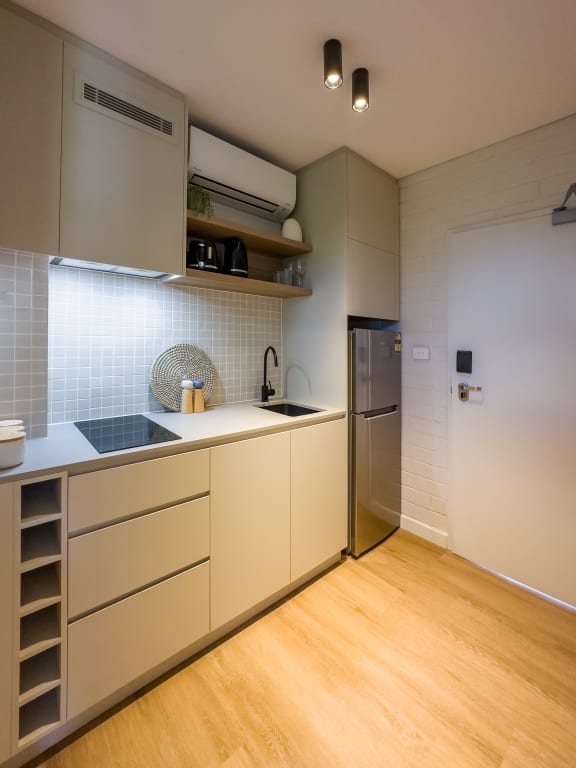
<point x="421" y="353"/>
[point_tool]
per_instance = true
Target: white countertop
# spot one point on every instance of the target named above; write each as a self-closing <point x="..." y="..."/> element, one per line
<point x="66" y="449"/>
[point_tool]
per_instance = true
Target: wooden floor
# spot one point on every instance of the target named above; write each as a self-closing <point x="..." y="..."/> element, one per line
<point x="407" y="657"/>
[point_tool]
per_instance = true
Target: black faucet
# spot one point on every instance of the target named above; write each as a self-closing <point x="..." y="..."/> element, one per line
<point x="266" y="387"/>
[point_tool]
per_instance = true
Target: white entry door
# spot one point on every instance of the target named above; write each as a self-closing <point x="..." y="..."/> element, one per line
<point x="512" y="302"/>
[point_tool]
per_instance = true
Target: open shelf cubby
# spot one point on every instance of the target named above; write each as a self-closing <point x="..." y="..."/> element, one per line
<point x="266" y="252"/>
<point x="39" y="674"/>
<point x="40" y="545"/>
<point x="40" y="588"/>
<point x="39" y="631"/>
<point x="38" y="716"/>
<point x="40" y="651"/>
<point x="40" y="502"/>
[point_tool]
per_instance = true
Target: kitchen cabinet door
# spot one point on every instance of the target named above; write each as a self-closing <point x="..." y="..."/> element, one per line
<point x="99" y="498"/>
<point x="30" y="132"/>
<point x="373" y="281"/>
<point x="7" y="611"/>
<point x="137" y="553"/>
<point x="115" y="646"/>
<point x="250" y="524"/>
<point x="373" y="205"/>
<point x="319" y="515"/>
<point x="123" y="166"/>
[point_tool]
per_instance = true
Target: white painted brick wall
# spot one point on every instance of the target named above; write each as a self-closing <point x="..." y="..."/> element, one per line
<point x="524" y="173"/>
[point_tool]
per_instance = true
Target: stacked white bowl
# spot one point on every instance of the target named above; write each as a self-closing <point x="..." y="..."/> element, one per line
<point x="12" y="440"/>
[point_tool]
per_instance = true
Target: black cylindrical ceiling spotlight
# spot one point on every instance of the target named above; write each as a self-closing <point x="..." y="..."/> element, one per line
<point x="360" y="90"/>
<point x="332" y="64"/>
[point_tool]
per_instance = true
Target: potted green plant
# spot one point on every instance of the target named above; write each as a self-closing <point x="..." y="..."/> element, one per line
<point x="199" y="200"/>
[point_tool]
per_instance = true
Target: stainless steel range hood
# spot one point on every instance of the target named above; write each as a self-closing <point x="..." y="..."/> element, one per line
<point x="60" y="261"/>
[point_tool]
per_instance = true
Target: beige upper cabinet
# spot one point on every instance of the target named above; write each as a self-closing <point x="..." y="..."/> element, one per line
<point x="349" y="209"/>
<point x="373" y="205"/>
<point x="373" y="241"/>
<point x="372" y="281"/>
<point x="123" y="166"/>
<point x="31" y="111"/>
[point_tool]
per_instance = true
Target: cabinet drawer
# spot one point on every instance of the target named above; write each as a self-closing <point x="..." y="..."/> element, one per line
<point x="118" y="644"/>
<point x="100" y="497"/>
<point x="114" y="561"/>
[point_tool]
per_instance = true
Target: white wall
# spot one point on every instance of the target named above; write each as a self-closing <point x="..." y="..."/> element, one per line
<point x="525" y="173"/>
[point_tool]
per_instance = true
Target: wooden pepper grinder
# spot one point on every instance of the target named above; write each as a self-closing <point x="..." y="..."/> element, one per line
<point x="187" y="402"/>
<point x="198" y="395"/>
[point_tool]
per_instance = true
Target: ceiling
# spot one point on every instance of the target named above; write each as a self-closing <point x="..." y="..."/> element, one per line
<point x="446" y="76"/>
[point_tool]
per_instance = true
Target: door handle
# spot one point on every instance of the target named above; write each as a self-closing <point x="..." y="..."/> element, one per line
<point x="381" y="412"/>
<point x="464" y="391"/>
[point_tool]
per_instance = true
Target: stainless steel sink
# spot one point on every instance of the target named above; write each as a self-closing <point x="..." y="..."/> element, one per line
<point x="289" y="409"/>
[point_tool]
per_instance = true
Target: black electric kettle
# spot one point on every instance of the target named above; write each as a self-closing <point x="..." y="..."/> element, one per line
<point x="235" y="257"/>
<point x="202" y="254"/>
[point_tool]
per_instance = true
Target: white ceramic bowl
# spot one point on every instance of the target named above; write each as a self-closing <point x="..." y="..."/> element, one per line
<point x="11" y="423"/>
<point x="11" y="447"/>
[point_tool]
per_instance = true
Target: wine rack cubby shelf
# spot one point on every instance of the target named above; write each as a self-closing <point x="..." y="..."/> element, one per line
<point x="40" y="588"/>
<point x="41" y="644"/>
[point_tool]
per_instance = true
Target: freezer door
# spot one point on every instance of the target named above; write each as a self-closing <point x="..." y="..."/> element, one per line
<point x="375" y="480"/>
<point x="375" y="370"/>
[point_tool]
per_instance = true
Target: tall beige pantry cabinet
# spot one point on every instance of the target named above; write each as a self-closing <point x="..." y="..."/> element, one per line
<point x="30" y="131"/>
<point x="349" y="209"/>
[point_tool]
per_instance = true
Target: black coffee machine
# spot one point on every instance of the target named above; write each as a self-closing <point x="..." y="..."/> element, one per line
<point x="202" y="254"/>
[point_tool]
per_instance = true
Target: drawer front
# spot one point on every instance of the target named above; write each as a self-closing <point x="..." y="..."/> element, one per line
<point x="106" y="564"/>
<point x="98" y="498"/>
<point x="118" y="644"/>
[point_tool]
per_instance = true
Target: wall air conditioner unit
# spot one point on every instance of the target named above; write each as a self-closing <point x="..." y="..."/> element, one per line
<point x="238" y="179"/>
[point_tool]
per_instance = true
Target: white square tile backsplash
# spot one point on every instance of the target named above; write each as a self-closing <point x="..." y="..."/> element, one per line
<point x="23" y="339"/>
<point x="106" y="330"/>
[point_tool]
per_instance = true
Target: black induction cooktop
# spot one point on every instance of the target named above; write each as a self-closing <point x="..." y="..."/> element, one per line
<point x="121" y="432"/>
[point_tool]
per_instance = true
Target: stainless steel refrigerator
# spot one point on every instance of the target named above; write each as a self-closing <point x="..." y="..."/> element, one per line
<point x="374" y="437"/>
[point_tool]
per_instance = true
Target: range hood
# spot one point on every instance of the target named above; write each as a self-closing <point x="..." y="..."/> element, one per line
<point x="61" y="261"/>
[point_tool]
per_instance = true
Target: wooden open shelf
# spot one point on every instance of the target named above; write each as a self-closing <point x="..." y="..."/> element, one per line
<point x="219" y="282"/>
<point x="214" y="228"/>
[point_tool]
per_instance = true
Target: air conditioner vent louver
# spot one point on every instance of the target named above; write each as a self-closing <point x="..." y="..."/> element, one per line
<point x="132" y="111"/>
<point x="229" y="193"/>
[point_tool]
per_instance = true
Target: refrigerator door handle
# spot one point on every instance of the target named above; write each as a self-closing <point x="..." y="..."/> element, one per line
<point x="381" y="412"/>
